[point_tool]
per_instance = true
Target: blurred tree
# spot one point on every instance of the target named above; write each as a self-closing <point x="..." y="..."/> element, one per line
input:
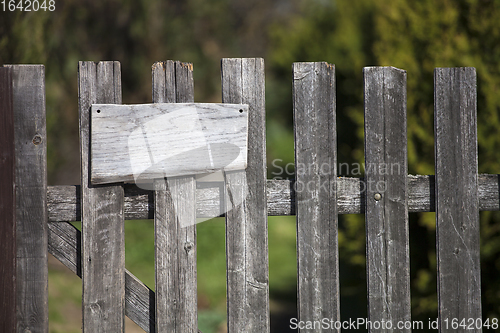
<point x="416" y="36"/>
<point x="136" y="33"/>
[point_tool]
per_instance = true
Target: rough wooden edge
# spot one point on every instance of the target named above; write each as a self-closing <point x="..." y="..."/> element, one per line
<point x="7" y="205"/>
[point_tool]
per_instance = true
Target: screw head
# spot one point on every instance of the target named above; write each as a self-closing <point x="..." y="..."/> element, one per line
<point x="377" y="196"/>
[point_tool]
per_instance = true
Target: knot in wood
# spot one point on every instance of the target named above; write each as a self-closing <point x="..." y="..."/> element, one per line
<point x="37" y="139"/>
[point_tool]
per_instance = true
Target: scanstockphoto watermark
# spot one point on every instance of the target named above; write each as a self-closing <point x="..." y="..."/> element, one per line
<point x="320" y="173"/>
<point x="366" y="324"/>
<point x="353" y="324"/>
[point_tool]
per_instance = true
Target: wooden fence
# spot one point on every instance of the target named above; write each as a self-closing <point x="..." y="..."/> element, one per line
<point x="34" y="216"/>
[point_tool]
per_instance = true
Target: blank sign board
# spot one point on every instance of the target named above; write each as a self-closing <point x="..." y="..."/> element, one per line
<point x="151" y="141"/>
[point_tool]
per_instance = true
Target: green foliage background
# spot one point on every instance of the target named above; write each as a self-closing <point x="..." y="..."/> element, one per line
<point x="413" y="35"/>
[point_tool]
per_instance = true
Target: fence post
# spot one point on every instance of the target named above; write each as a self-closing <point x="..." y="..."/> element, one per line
<point x="28" y="84"/>
<point x="103" y="237"/>
<point x="386" y="188"/>
<point x="246" y="224"/>
<point x="7" y="206"/>
<point x="457" y="201"/>
<point x="175" y="205"/>
<point x="316" y="192"/>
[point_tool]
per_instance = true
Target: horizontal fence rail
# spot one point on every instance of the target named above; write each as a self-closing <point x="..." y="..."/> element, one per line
<point x="63" y="200"/>
<point x="96" y="254"/>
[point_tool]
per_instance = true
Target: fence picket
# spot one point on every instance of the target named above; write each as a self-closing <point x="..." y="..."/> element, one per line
<point x="246" y="223"/>
<point x="316" y="192"/>
<point x="386" y="189"/>
<point x="103" y="237"/>
<point x="28" y="85"/>
<point x="175" y="205"/>
<point x="457" y="201"/>
<point x="7" y="205"/>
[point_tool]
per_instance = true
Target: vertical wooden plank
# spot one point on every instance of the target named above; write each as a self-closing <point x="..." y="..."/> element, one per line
<point x="7" y="206"/>
<point x="175" y="218"/>
<point x="457" y="203"/>
<point x="164" y="82"/>
<point x="28" y="84"/>
<point x="246" y="224"/>
<point x="103" y="240"/>
<point x="386" y="212"/>
<point x="315" y="192"/>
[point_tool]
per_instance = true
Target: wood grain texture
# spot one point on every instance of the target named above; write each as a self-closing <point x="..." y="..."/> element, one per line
<point x="386" y="214"/>
<point x="245" y="201"/>
<point x="7" y="205"/>
<point x="103" y="238"/>
<point x="64" y="203"/>
<point x="65" y="245"/>
<point x="28" y="83"/>
<point x="175" y="218"/>
<point x="314" y="111"/>
<point x="457" y="200"/>
<point x="128" y="141"/>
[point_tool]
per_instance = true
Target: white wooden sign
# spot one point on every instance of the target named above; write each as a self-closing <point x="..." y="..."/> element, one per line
<point x="151" y="141"/>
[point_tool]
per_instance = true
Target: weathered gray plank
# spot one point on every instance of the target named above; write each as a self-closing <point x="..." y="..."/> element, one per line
<point x="103" y="238"/>
<point x="140" y="303"/>
<point x="386" y="215"/>
<point x="7" y="205"/>
<point x="31" y="192"/>
<point x="64" y="203"/>
<point x="314" y="111"/>
<point x="65" y="245"/>
<point x="280" y="197"/>
<point x="175" y="218"/>
<point x="128" y="141"/>
<point x="457" y="201"/>
<point x="245" y="201"/>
